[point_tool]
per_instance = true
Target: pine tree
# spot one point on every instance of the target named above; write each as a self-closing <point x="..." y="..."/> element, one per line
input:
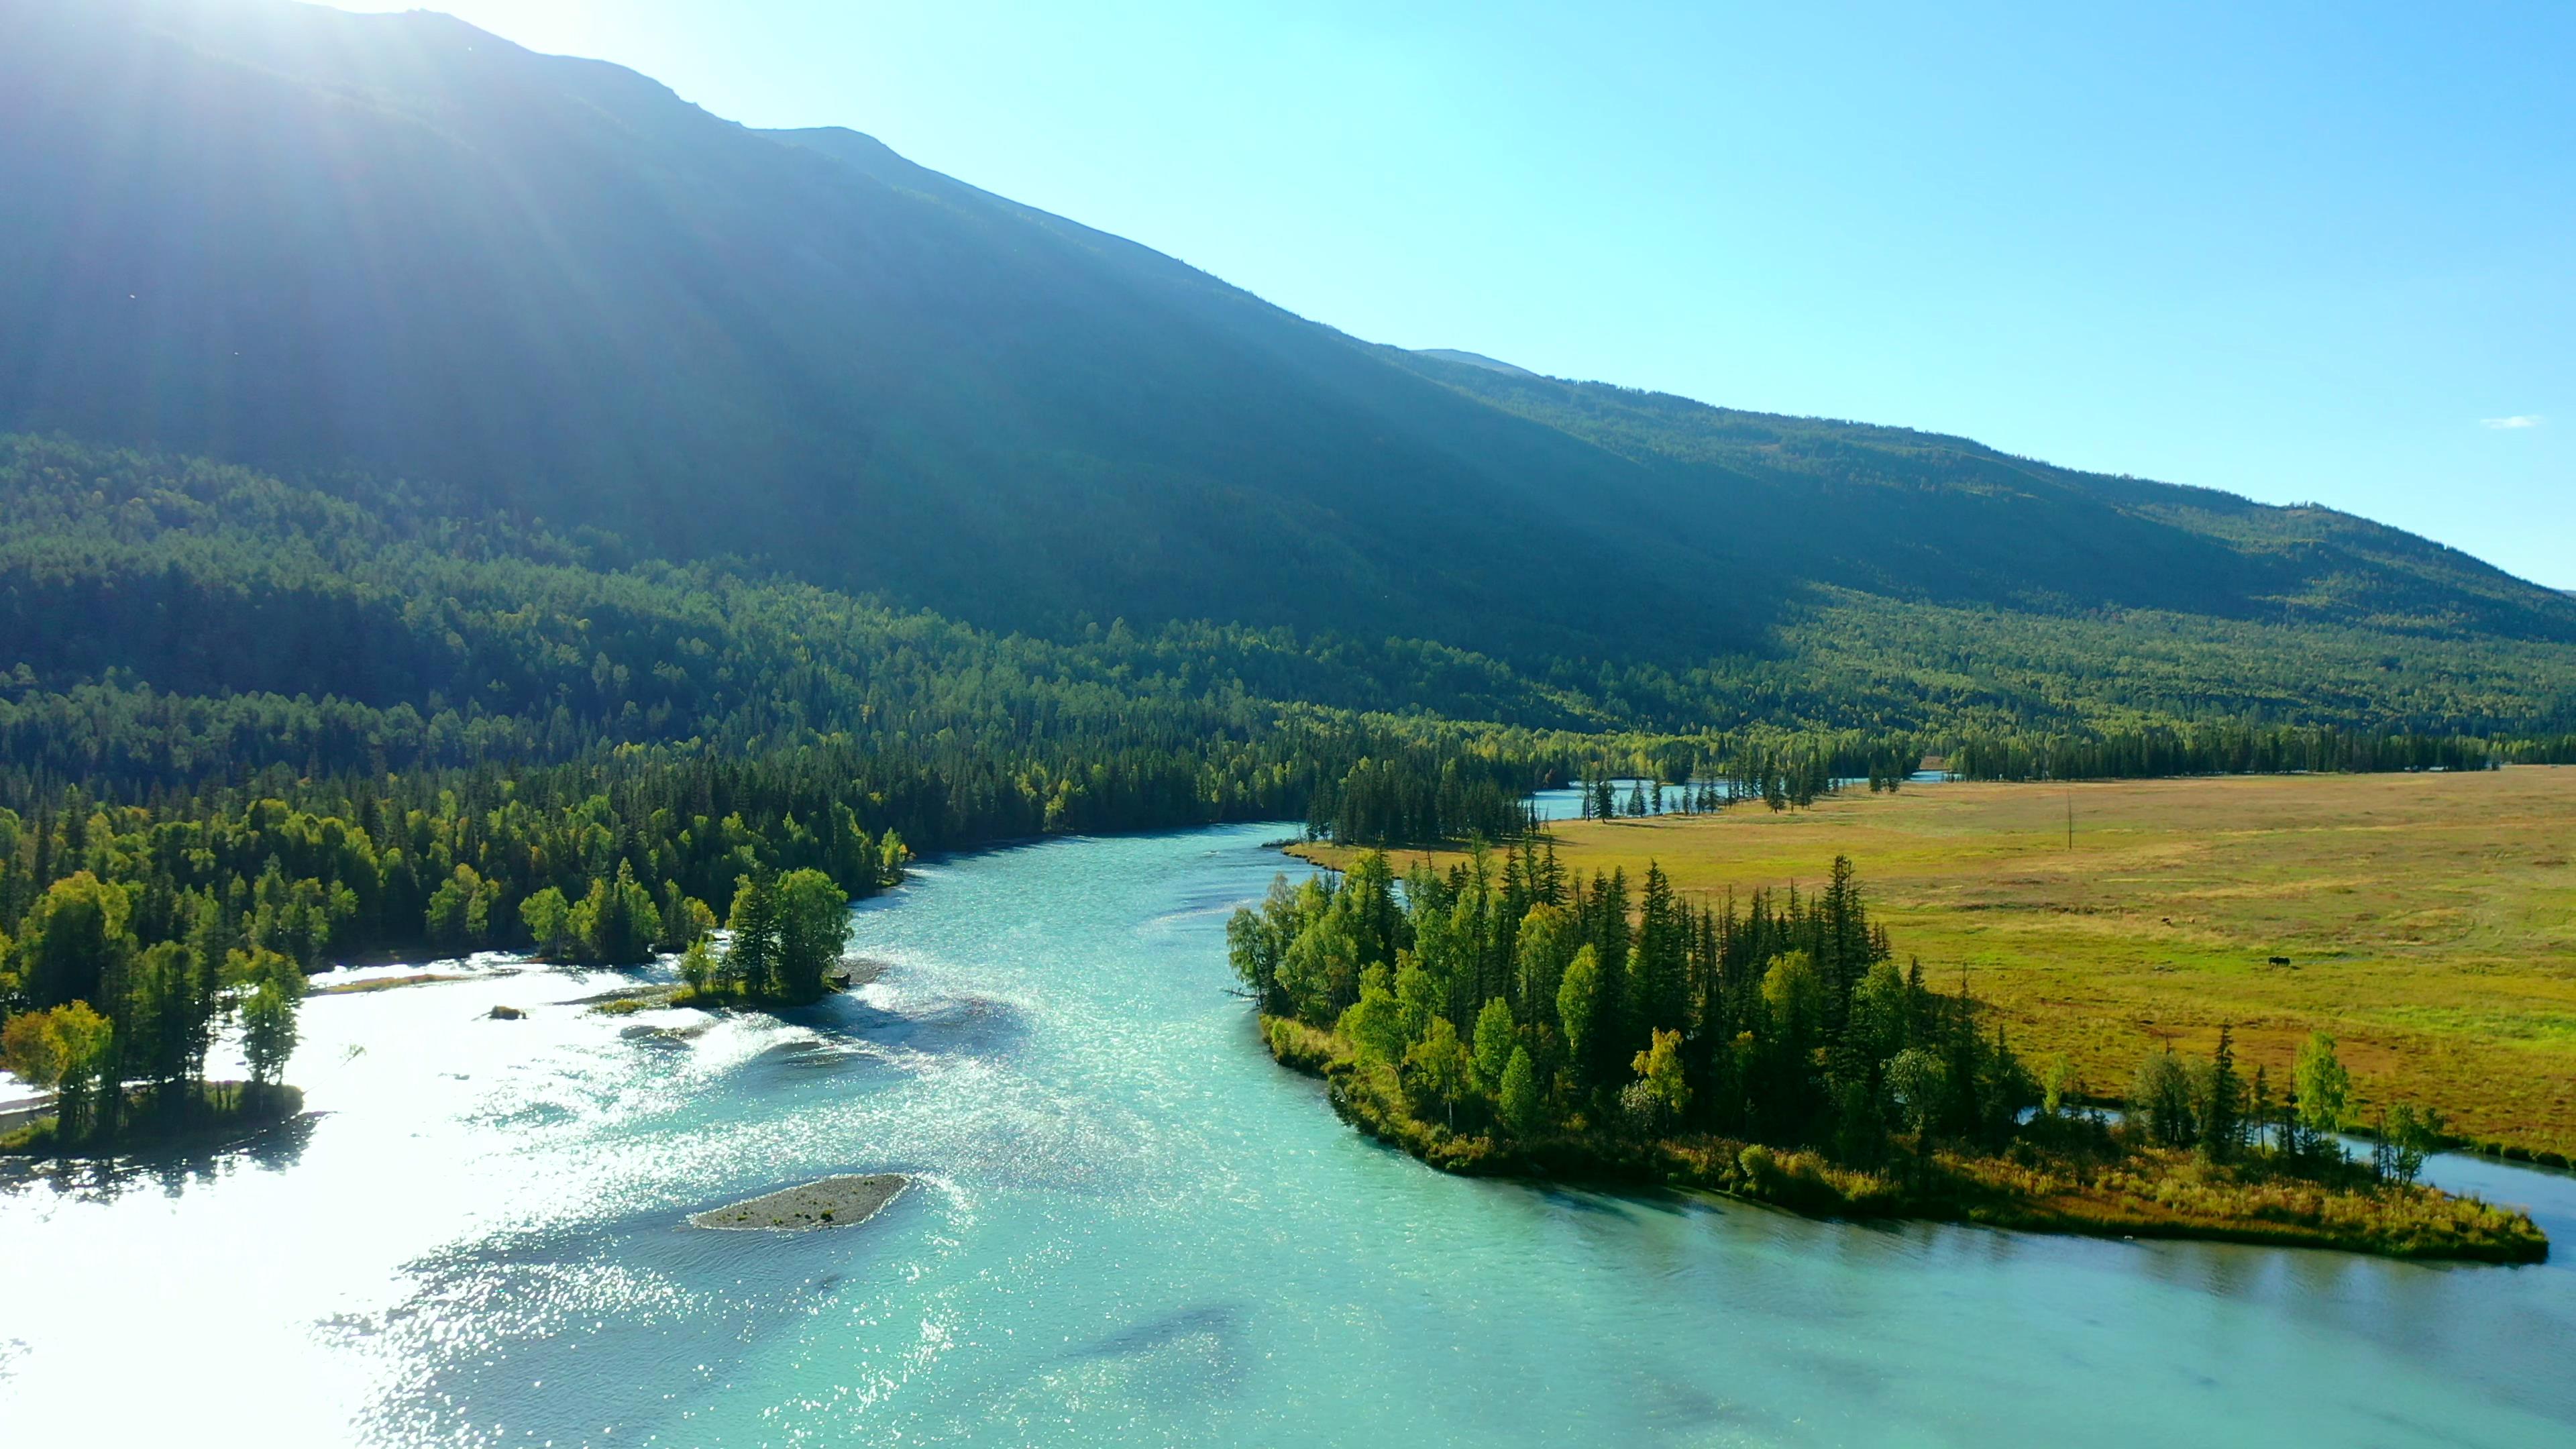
<point x="1656" y="967"/>
<point x="751" y="956"/>
<point x="2222" y="1108"/>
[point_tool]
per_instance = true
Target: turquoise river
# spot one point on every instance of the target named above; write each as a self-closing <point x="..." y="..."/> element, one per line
<point x="1129" y="1227"/>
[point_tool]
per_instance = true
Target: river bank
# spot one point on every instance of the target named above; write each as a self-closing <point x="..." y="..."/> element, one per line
<point x="228" y="1112"/>
<point x="2142" y="1195"/>
<point x="2421" y="918"/>
<point x="1130" y="1226"/>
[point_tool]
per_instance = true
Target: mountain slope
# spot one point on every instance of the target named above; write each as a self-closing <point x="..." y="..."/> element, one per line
<point x="1920" y="515"/>
<point x="311" y="242"/>
<point x="394" y="244"/>
<point x="165" y="620"/>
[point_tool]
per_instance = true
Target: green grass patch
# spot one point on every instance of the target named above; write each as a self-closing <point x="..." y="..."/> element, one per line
<point x="2428" y="920"/>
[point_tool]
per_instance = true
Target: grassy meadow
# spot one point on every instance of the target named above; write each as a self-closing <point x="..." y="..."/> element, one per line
<point x="2428" y="921"/>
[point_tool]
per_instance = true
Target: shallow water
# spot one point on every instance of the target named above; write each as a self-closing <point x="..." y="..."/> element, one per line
<point x="1130" y="1227"/>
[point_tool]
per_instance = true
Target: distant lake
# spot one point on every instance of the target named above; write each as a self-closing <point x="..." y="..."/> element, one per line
<point x="1567" y="803"/>
<point x="1128" y="1227"/>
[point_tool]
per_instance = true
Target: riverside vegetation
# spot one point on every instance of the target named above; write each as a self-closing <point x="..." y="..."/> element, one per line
<point x="389" y="729"/>
<point x="2426" y="919"/>
<point x="1507" y="1016"/>
<point x="1025" y="530"/>
<point x="137" y="1071"/>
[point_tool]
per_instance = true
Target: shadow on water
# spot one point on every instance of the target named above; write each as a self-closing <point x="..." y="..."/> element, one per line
<point x="1608" y="1200"/>
<point x="807" y="1057"/>
<point x="848" y="1035"/>
<point x="940" y="1026"/>
<point x="1669" y="1406"/>
<point x="173" y="1171"/>
<point x="882" y="900"/>
<point x="1196" y="1352"/>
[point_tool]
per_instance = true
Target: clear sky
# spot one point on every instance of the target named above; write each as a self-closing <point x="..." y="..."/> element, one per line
<point x="2303" y="252"/>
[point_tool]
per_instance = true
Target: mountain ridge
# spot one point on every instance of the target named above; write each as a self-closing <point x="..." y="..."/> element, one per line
<point x="312" y="242"/>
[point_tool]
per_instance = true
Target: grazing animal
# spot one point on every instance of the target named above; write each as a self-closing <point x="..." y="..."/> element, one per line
<point x="2280" y="960"/>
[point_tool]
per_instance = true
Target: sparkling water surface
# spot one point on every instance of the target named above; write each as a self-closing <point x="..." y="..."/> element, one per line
<point x="1128" y="1227"/>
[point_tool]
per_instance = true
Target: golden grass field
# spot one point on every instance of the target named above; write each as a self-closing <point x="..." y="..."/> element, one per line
<point x="2429" y="920"/>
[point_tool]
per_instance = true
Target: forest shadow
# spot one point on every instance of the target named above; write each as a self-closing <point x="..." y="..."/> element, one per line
<point x="273" y="1148"/>
<point x="941" y="1026"/>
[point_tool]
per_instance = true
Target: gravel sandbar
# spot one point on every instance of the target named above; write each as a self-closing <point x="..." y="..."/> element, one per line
<point x="834" y="1202"/>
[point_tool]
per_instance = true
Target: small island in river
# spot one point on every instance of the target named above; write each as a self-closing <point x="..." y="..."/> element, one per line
<point x="1505" y="1019"/>
<point x="832" y="1202"/>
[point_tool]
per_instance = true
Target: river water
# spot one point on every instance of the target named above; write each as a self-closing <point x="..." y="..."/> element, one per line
<point x="1129" y="1227"/>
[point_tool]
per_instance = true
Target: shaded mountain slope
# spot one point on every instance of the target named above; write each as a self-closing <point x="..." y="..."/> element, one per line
<point x="1920" y="515"/>
<point x="181" y="616"/>
<point x="393" y="244"/>
<point x="314" y="242"/>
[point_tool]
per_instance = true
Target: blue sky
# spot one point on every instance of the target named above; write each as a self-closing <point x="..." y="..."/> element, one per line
<point x="2302" y="252"/>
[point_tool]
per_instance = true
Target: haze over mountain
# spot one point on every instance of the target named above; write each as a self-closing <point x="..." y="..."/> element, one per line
<point x="319" y="243"/>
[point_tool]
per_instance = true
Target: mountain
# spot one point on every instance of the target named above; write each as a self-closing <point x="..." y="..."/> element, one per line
<point x="1473" y="359"/>
<point x="330" y="246"/>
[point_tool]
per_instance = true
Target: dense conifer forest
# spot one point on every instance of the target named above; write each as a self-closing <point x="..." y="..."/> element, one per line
<point x="633" y="318"/>
<point x="1507" y="1016"/>
<point x="499" y="628"/>
<point x="250" y="728"/>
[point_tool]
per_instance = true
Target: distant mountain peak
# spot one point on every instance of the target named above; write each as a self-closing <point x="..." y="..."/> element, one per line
<point x="1473" y="359"/>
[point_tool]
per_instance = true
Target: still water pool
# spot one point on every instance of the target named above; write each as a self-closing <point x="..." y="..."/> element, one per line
<point x="1129" y="1228"/>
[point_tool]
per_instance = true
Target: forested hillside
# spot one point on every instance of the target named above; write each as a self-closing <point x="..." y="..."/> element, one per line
<point x="168" y="624"/>
<point x="1922" y="517"/>
<point x="165" y="622"/>
<point x="325" y="244"/>
<point x="453" y="497"/>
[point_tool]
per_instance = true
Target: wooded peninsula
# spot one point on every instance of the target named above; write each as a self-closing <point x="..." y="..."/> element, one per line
<point x="1508" y="1017"/>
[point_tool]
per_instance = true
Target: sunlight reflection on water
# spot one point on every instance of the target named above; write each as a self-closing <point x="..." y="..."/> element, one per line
<point x="1128" y="1226"/>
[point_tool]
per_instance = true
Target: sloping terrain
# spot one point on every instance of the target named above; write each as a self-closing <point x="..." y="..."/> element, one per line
<point x="319" y="244"/>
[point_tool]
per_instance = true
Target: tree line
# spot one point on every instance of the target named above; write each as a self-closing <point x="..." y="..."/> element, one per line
<point x="2155" y="753"/>
<point x="1507" y="997"/>
<point x="173" y="624"/>
<point x="257" y="727"/>
<point x="133" y="933"/>
<point x="1507" y="994"/>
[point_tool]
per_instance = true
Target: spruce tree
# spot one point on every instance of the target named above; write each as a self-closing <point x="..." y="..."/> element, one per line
<point x="751" y="957"/>
<point x="1656" y="966"/>
<point x="2222" y="1109"/>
